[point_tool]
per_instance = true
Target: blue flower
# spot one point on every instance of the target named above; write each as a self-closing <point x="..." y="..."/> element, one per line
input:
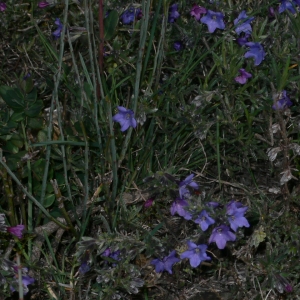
<point x="237" y="220"/>
<point x="130" y="14"/>
<point x="26" y="280"/>
<point x="58" y="30"/>
<point x="125" y="117"/>
<point x="287" y="5"/>
<point x="204" y="220"/>
<point x="221" y="235"/>
<point x="178" y="207"/>
<point x="173" y="13"/>
<point x="84" y="267"/>
<point x="242" y="79"/>
<point x="242" y="41"/>
<point x="256" y="51"/>
<point x="242" y="23"/>
<point x="183" y="191"/>
<point x="166" y="263"/>
<point x="283" y="103"/>
<point x="195" y="253"/>
<point x="178" y="46"/>
<point x="233" y="207"/>
<point x="213" y="204"/>
<point x="213" y="20"/>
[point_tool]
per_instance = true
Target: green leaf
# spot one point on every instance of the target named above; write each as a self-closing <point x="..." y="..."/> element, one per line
<point x="32" y="96"/>
<point x="49" y="200"/>
<point x="27" y="85"/>
<point x="35" y="123"/>
<point x="10" y="147"/>
<point x="12" y="97"/>
<point x="34" y="110"/>
<point x="17" y="117"/>
<point x="17" y="140"/>
<point x="38" y="168"/>
<point x="110" y="24"/>
<point x="42" y="136"/>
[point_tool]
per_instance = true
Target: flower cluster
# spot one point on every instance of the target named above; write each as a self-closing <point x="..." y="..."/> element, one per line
<point x="58" y="30"/>
<point x="226" y="219"/>
<point x="213" y="20"/>
<point x="11" y="270"/>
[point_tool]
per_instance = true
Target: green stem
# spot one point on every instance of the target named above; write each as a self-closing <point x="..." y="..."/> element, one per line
<point x="29" y="186"/>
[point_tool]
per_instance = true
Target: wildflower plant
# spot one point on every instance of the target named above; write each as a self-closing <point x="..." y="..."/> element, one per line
<point x="206" y="181"/>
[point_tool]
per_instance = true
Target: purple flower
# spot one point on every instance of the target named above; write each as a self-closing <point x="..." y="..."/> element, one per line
<point x="242" y="79"/>
<point x="213" y="204"/>
<point x="178" y="46"/>
<point x="256" y="51"/>
<point x="204" y="220"/>
<point x="282" y="103"/>
<point x="148" y="202"/>
<point x="114" y="255"/>
<point x="28" y="75"/>
<point x="178" y="207"/>
<point x="282" y="284"/>
<point x="26" y="280"/>
<point x="196" y="11"/>
<point x="213" y="20"/>
<point x="166" y="263"/>
<point x="2" y="6"/>
<point x="242" y="41"/>
<point x="271" y="12"/>
<point x="43" y="4"/>
<point x="183" y="191"/>
<point x="58" y="30"/>
<point x="173" y="13"/>
<point x="84" y="267"/>
<point x="16" y="230"/>
<point x="237" y="220"/>
<point x="221" y="235"/>
<point x="106" y="252"/>
<point x="130" y="14"/>
<point x="195" y="253"/>
<point x="286" y="5"/>
<point x="233" y="207"/>
<point x="242" y="23"/>
<point x="125" y="117"/>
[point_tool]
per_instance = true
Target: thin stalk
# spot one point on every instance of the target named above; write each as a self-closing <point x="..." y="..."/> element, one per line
<point x="20" y="278"/>
<point x="29" y="187"/>
<point x="9" y="196"/>
<point x="54" y="100"/>
<point x="86" y="172"/>
<point x="218" y="151"/>
<point x="61" y="206"/>
<point x="139" y="65"/>
<point x="101" y="35"/>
